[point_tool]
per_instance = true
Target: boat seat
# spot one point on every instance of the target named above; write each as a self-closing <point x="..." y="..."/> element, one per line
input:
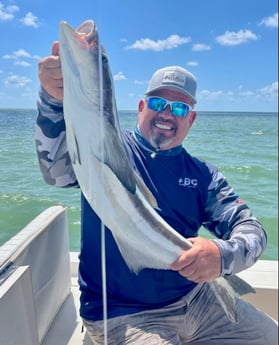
<point x="35" y="271"/>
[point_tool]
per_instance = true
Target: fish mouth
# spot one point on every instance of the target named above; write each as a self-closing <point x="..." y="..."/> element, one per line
<point x="86" y="34"/>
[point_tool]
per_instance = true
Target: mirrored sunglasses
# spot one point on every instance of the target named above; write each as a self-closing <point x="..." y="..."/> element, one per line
<point x="177" y="108"/>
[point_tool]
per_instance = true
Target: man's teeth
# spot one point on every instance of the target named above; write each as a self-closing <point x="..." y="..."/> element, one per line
<point x="163" y="126"/>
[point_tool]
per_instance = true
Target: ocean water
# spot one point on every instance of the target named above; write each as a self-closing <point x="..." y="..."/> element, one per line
<point x="243" y="145"/>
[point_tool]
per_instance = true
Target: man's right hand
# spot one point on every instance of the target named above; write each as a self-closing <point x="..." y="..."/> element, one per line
<point x="50" y="73"/>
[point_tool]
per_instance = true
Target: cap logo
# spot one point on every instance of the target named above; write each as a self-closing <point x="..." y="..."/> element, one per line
<point x="174" y="77"/>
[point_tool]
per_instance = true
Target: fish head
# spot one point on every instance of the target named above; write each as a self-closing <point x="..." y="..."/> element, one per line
<point x="78" y="47"/>
<point x="79" y="41"/>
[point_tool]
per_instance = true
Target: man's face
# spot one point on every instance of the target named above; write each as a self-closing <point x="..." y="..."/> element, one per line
<point x="162" y="129"/>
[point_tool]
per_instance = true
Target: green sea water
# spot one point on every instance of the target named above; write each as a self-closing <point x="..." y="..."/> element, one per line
<point x="244" y="146"/>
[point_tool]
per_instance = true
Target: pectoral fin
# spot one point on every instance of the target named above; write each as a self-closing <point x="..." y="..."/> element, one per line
<point x="116" y="159"/>
<point x="72" y="143"/>
<point x="240" y="286"/>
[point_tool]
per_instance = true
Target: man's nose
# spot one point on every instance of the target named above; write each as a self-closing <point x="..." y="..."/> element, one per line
<point x="167" y="110"/>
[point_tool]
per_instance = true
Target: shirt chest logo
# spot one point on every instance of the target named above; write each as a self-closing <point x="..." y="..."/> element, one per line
<point x="188" y="182"/>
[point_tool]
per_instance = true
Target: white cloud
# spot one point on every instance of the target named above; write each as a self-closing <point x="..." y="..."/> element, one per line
<point x="30" y="20"/>
<point x="22" y="63"/>
<point x="211" y="95"/>
<point x="192" y="63"/>
<point x="119" y="76"/>
<point x="270" y="90"/>
<point x="7" y="13"/>
<point x="16" y="81"/>
<point x="21" y="53"/>
<point x="271" y="22"/>
<point x="246" y="94"/>
<point x="170" y="42"/>
<point x="266" y="92"/>
<point x="200" y="47"/>
<point x="18" y="55"/>
<point x="141" y="82"/>
<point x="231" y="38"/>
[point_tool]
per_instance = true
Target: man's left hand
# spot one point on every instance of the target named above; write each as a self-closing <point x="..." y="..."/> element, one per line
<point x="201" y="263"/>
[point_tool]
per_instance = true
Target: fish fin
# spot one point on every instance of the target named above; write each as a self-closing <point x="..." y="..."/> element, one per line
<point x="240" y="286"/>
<point x="225" y="295"/>
<point x="113" y="147"/>
<point x="73" y="143"/>
<point x="123" y="170"/>
<point x="145" y="191"/>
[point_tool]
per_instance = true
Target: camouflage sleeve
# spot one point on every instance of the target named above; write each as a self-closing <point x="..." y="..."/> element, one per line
<point x="50" y="139"/>
<point x="241" y="237"/>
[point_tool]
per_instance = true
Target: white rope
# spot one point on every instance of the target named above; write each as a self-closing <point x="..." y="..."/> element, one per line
<point x="103" y="240"/>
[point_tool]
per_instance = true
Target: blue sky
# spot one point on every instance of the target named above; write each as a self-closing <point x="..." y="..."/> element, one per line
<point x="230" y="46"/>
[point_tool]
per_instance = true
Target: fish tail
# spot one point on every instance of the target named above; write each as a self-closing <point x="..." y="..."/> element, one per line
<point x="226" y="297"/>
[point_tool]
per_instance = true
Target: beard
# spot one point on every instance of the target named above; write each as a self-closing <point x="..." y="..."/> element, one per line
<point x="160" y="141"/>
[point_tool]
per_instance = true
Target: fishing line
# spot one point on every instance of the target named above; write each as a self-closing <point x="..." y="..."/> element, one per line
<point x="103" y="237"/>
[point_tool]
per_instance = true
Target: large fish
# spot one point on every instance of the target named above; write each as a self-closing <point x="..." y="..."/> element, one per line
<point x="107" y="180"/>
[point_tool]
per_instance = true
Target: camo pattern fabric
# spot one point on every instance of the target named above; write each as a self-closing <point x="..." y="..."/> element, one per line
<point x="50" y="139"/>
<point x="240" y="236"/>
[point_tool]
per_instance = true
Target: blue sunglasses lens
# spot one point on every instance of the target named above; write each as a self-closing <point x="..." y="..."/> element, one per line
<point x="179" y="109"/>
<point x="158" y="104"/>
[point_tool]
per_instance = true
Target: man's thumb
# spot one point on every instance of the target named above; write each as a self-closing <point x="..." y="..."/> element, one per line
<point x="55" y="48"/>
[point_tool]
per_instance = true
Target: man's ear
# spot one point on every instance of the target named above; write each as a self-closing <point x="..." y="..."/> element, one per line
<point x="192" y="119"/>
<point x="141" y="105"/>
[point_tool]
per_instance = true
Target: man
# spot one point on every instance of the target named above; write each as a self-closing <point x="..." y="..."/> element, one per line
<point x="174" y="306"/>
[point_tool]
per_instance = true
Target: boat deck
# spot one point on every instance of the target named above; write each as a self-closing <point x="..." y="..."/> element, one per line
<point x="67" y="328"/>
